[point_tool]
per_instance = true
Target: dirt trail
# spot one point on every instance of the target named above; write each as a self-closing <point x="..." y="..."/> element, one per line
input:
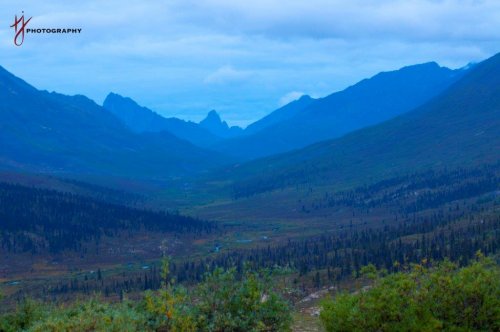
<point x="307" y="310"/>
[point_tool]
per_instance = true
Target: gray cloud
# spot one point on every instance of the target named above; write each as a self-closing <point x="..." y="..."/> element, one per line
<point x="379" y="19"/>
<point x="183" y="58"/>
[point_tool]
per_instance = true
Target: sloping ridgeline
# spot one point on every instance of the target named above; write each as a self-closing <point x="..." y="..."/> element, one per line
<point x="458" y="128"/>
<point x="369" y="102"/>
<point x="43" y="132"/>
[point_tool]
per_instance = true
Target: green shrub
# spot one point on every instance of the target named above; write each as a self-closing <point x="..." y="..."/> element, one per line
<point x="443" y="298"/>
<point x="91" y="315"/>
<point x="248" y="305"/>
<point x="220" y="303"/>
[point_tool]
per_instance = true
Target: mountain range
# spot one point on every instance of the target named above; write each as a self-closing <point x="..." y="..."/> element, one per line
<point x="458" y="128"/>
<point x="54" y="133"/>
<point x="371" y="101"/>
<point x="382" y="125"/>
<point x="304" y="121"/>
<point x="141" y="119"/>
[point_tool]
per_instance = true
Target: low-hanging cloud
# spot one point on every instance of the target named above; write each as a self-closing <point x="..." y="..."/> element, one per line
<point x="227" y="74"/>
<point x="289" y="97"/>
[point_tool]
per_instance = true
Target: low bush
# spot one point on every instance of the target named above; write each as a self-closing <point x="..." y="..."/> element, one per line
<point x="223" y="302"/>
<point x="442" y="298"/>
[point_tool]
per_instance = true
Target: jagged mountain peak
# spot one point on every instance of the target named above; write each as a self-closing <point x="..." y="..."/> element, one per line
<point x="213" y="121"/>
<point x="217" y="126"/>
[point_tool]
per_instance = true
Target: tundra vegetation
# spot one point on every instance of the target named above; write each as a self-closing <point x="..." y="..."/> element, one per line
<point x="224" y="301"/>
<point x="440" y="298"/>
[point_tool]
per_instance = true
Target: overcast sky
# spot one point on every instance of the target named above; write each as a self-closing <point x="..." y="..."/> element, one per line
<point x="243" y="58"/>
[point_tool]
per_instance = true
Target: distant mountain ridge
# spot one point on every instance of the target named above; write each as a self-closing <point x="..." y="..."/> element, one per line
<point x="141" y="119"/>
<point x="304" y="121"/>
<point x="282" y="114"/>
<point x="458" y="128"/>
<point x="50" y="132"/>
<point x="53" y="133"/>
<point x="366" y="103"/>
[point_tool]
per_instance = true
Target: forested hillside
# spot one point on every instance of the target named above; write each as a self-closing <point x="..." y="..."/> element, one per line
<point x="40" y="221"/>
<point x="392" y="223"/>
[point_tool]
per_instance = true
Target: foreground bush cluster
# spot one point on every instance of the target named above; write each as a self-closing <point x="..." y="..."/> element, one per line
<point x="222" y="302"/>
<point x="439" y="298"/>
<point x="444" y="298"/>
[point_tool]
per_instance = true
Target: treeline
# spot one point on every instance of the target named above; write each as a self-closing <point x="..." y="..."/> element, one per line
<point x="389" y="247"/>
<point x="431" y="179"/>
<point x="431" y="216"/>
<point x="38" y="220"/>
<point x="434" y="216"/>
<point x="410" y="194"/>
<point x="325" y="259"/>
